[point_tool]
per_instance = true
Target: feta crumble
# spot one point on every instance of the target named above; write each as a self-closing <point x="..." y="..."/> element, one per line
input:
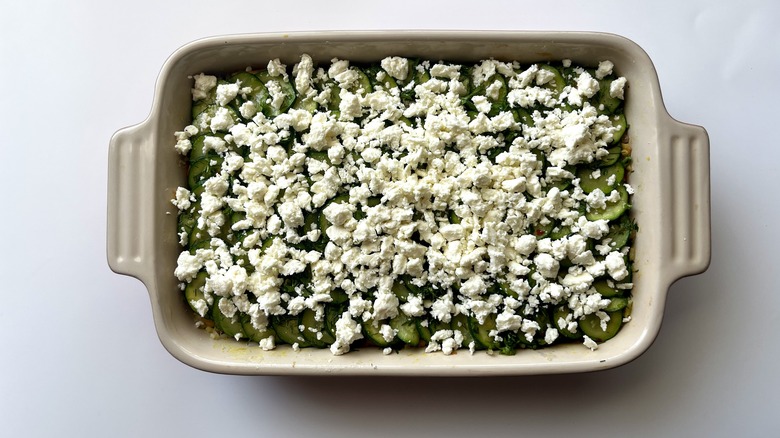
<point x="466" y="200"/>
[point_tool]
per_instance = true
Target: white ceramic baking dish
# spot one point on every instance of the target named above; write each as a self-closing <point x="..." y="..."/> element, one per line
<point x="671" y="204"/>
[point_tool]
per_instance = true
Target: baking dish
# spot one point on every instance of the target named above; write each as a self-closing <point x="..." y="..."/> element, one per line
<point x="671" y="204"/>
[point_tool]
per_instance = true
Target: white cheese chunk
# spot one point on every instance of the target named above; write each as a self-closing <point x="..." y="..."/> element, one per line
<point x="396" y="67"/>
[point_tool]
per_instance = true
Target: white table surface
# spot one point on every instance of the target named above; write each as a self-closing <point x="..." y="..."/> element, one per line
<point x="80" y="356"/>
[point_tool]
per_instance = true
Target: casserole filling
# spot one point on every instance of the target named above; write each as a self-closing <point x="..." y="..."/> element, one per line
<point x="408" y="203"/>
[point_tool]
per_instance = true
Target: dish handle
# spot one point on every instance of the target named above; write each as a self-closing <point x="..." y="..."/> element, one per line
<point x="129" y="183"/>
<point x="686" y="161"/>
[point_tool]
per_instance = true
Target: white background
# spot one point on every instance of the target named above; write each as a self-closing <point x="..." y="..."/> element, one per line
<point x="79" y="352"/>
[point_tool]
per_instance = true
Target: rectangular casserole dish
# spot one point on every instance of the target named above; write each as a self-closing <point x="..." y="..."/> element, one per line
<point x="671" y="204"/>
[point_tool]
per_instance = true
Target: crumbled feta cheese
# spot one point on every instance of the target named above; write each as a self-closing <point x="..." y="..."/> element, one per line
<point x="413" y="306"/>
<point x="508" y="322"/>
<point x="616" y="88"/>
<point x="226" y="93"/>
<point x="387" y="333"/>
<point x="222" y="120"/>
<point x="436" y="194"/>
<point x="277" y="94"/>
<point x="347" y="332"/>
<point x="276" y="68"/>
<point x="182" y="200"/>
<point x="546" y="265"/>
<point x="203" y="84"/>
<point x="215" y="144"/>
<point x="247" y="110"/>
<point x="616" y="265"/>
<point x="303" y="72"/>
<point x="590" y="343"/>
<point x="396" y="67"/>
<point x="267" y="343"/>
<point x="443" y="308"/>
<point x="605" y="69"/>
<point x="183" y="146"/>
<point x="349" y="106"/>
<point x="482" y="103"/>
<point x="385" y="305"/>
<point x="586" y="85"/>
<point x="339" y="70"/>
<point x="450" y="71"/>
<point x="550" y="335"/>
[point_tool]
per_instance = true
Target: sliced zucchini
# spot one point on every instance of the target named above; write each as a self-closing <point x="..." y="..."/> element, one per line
<point x="305" y="103"/>
<point x="258" y="96"/>
<point x="460" y="322"/>
<point x="560" y="313"/>
<point x="499" y="102"/>
<point x="198" y="149"/>
<point x="387" y="82"/>
<point x="542" y="230"/>
<point x="421" y="76"/>
<point x="252" y="333"/>
<point x="560" y="232"/>
<point x="481" y="332"/>
<point x="620" y="232"/>
<point x="319" y="156"/>
<point x="323" y="221"/>
<point x="406" y="329"/>
<point x="424" y="329"/>
<point x="602" y="286"/>
<point x="338" y="296"/>
<point x="410" y="73"/>
<point x="620" y="123"/>
<point x="605" y="181"/>
<point x="591" y="326"/>
<point x="523" y="117"/>
<point x="542" y="318"/>
<point x="606" y="103"/>
<point x="334" y="98"/>
<point x="193" y="293"/>
<point x="363" y="85"/>
<point x="561" y="184"/>
<point x="200" y="240"/>
<point x="436" y="325"/>
<point x="287" y="331"/>
<point x="401" y="291"/>
<point x="201" y="105"/>
<point x="230" y="326"/>
<point x="612" y="157"/>
<point x="204" y="169"/>
<point x="203" y="120"/>
<point x="187" y="222"/>
<point x="313" y="326"/>
<point x="333" y="313"/>
<point x="501" y="287"/>
<point x="613" y="209"/>
<point x="617" y="303"/>
<point x="371" y="332"/>
<point x="279" y="86"/>
<point x="558" y="83"/>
